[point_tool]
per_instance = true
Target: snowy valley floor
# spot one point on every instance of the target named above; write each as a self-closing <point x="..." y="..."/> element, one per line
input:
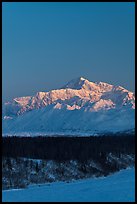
<point x="117" y="187"/>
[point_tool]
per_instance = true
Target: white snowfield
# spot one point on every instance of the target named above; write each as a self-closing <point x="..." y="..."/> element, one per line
<point x="117" y="187"/>
<point x="79" y="107"/>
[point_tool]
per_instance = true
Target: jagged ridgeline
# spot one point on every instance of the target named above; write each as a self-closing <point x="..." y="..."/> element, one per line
<point x="79" y="107"/>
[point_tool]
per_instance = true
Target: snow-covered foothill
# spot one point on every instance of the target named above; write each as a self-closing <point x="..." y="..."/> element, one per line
<point x="119" y="187"/>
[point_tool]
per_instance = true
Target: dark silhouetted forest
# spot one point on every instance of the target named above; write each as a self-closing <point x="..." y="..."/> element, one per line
<point x="68" y="148"/>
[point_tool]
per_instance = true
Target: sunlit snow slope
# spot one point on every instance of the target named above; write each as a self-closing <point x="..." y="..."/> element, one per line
<point x="79" y="107"/>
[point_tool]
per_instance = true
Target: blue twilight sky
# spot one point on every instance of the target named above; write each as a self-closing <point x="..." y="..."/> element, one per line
<point x="44" y="45"/>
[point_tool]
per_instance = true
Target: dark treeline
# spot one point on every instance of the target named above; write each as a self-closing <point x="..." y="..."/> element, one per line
<point x="68" y="148"/>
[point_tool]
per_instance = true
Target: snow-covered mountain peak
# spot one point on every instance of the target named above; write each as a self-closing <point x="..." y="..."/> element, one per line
<point x="81" y="78"/>
<point x="76" y="83"/>
<point x="77" y="93"/>
<point x="79" y="105"/>
<point x="82" y="83"/>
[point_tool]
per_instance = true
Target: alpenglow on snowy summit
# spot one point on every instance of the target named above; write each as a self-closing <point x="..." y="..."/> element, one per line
<point x="80" y="107"/>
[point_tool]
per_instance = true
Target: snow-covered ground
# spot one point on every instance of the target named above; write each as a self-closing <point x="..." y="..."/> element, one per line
<point x="117" y="187"/>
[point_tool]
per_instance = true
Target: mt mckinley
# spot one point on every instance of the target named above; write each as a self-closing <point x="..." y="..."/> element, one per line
<point x="80" y="107"/>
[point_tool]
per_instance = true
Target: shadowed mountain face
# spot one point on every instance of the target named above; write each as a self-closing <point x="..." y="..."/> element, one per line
<point x="80" y="106"/>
